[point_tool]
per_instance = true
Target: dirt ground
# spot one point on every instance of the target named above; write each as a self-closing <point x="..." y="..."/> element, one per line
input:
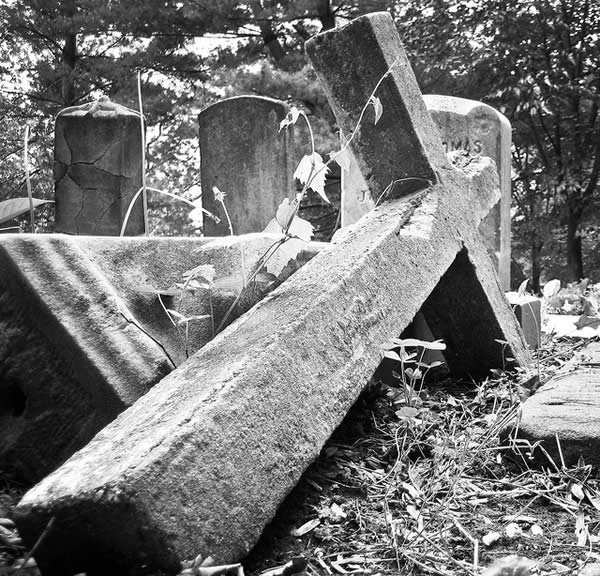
<point x="422" y="480"/>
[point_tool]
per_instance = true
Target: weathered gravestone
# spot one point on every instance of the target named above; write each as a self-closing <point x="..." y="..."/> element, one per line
<point x="246" y="156"/>
<point x="464" y="125"/>
<point x="256" y="174"/>
<point x="98" y="169"/>
<point x="201" y="462"/>
<point x="479" y="129"/>
<point x="83" y="334"/>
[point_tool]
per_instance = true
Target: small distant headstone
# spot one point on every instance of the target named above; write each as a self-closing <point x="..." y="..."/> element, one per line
<point x="464" y="125"/>
<point x="528" y="310"/>
<point x="244" y="154"/>
<point x="98" y="169"/>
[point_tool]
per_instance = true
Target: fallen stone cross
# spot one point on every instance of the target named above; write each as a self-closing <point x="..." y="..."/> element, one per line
<point x="202" y="461"/>
<point x="84" y="335"/>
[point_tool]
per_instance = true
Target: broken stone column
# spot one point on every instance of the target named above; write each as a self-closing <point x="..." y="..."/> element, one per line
<point x="202" y="461"/>
<point x="98" y="169"/>
<point x="83" y="333"/>
<point x="244" y="155"/>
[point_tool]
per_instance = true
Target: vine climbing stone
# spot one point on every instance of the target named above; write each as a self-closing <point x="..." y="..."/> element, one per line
<point x="202" y="461"/>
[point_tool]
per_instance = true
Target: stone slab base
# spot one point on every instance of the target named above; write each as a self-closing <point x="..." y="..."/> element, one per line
<point x="568" y="408"/>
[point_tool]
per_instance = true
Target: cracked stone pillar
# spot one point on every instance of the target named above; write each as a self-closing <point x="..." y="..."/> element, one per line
<point x="97" y="169"/>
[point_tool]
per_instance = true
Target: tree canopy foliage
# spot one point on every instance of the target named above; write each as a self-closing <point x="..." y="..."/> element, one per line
<point x="538" y="61"/>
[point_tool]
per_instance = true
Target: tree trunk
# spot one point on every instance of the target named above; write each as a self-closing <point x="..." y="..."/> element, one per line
<point x="574" y="254"/>
<point x="536" y="267"/>
<point x="326" y="15"/>
<point x="271" y="41"/>
<point x="69" y="61"/>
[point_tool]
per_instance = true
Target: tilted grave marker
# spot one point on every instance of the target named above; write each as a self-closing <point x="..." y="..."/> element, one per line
<point x="98" y="169"/>
<point x="244" y="154"/>
<point x="464" y="125"/>
<point x="84" y="335"/>
<point x="202" y="461"/>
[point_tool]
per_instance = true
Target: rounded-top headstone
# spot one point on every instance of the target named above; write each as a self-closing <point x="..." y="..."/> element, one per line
<point x="481" y="130"/>
<point x="98" y="169"/>
<point x="245" y="155"/>
<point x="463" y="125"/>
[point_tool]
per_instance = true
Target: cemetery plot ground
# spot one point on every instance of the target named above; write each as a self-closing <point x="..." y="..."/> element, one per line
<point x="410" y="488"/>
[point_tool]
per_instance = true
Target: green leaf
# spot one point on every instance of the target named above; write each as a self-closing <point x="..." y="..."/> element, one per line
<point x="551" y="289"/>
<point x="523" y="287"/>
<point x="391" y="355"/>
<point x="577" y="491"/>
<point x="311" y="172"/>
<point x="287" y="251"/>
<point x="389" y="346"/>
<point x="14" y="207"/>
<point x="427" y="365"/>
<point x="187" y="319"/>
<point x="591" y="321"/>
<point x="408" y="342"/>
<point x="291" y="118"/>
<point x="342" y="157"/>
<point x="206" y="271"/>
<point x="265" y="278"/>
<point x="232" y="283"/>
<point x="175" y="314"/>
<point x="377" y="106"/>
<point x="285" y="213"/>
<point x="407" y="412"/>
<point x="287" y="219"/>
<point x="193" y="285"/>
<point x="301" y="228"/>
<point x="406" y="357"/>
<point x="218" y="194"/>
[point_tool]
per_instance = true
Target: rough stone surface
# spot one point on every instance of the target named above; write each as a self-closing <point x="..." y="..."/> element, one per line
<point x="97" y="169"/>
<point x="84" y="335"/>
<point x="201" y="462"/>
<point x="244" y="154"/>
<point x="568" y="406"/>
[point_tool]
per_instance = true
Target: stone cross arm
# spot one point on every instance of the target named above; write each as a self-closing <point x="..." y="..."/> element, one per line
<point x="402" y="151"/>
<point x="202" y="461"/>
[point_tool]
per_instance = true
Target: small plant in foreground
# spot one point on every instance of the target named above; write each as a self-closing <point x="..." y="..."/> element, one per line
<point x="413" y="368"/>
